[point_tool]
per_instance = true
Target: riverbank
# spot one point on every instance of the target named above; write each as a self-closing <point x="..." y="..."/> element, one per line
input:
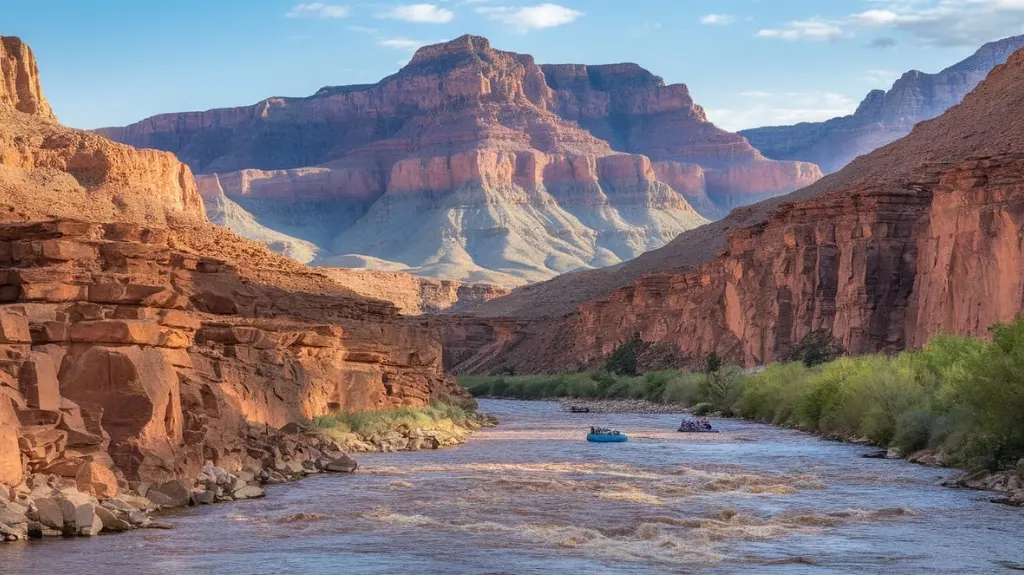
<point x="958" y="402"/>
<point x="76" y="497"/>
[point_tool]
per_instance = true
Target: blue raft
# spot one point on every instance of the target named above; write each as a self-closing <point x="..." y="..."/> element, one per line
<point x="607" y="436"/>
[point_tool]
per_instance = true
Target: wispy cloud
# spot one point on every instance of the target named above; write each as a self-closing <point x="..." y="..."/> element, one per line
<point x="879" y="78"/>
<point x="718" y="19"/>
<point x="400" y="43"/>
<point x="814" y="29"/>
<point x="770" y="108"/>
<point x="420" y="13"/>
<point x="317" y="10"/>
<point x="531" y="17"/>
<point x="929" y="22"/>
<point x="882" y="43"/>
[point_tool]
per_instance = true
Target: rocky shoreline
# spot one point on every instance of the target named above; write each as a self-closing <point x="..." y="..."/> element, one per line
<point x="81" y="498"/>
<point x="620" y="406"/>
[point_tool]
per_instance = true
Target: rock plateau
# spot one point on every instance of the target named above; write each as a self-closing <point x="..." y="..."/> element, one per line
<point x="139" y="343"/>
<point x="471" y="164"/>
<point x="921" y="236"/>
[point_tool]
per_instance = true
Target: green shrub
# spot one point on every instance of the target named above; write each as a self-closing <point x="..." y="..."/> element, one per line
<point x="702" y="409"/>
<point x="623" y="360"/>
<point x="816" y="348"/>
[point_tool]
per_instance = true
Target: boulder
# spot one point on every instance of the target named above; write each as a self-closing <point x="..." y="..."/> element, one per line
<point x="343" y="464"/>
<point x="87" y="520"/>
<point x="38" y="379"/>
<point x="68" y="513"/>
<point x="249" y="492"/>
<point x="11" y="515"/>
<point x="49" y="513"/>
<point x="110" y="521"/>
<point x="174" y="493"/>
<point x="202" y="497"/>
<point x="97" y="480"/>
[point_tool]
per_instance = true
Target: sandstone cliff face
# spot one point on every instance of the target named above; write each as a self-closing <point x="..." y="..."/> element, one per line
<point x="151" y="360"/>
<point x="636" y="112"/>
<point x="920" y="237"/>
<point x="414" y="295"/>
<point x="474" y="164"/>
<point x="139" y="338"/>
<point x="883" y="116"/>
<point x="20" y="87"/>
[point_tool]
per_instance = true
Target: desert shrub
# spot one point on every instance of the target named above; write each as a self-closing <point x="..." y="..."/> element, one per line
<point x="682" y="388"/>
<point x="623" y="360"/>
<point x="702" y="409"/>
<point x="721" y="388"/>
<point x="816" y="348"/>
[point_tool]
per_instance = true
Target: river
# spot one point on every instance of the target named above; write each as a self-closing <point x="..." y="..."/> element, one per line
<point x="531" y="496"/>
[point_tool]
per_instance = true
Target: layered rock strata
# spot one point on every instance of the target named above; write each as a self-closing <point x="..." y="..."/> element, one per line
<point x="471" y="164"/>
<point x="883" y="116"/>
<point x="920" y="237"/>
<point x="152" y="361"/>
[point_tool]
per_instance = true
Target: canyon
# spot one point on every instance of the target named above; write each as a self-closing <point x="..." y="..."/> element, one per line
<point x="142" y="345"/>
<point x="920" y="237"/>
<point x="471" y="164"/>
<point x="883" y="116"/>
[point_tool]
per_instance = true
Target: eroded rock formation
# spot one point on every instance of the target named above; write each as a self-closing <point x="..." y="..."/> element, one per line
<point x="472" y="164"/>
<point x="138" y="341"/>
<point x="20" y="87"/>
<point x="920" y="237"/>
<point x="883" y="116"/>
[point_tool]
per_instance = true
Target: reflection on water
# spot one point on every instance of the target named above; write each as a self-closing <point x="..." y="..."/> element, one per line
<point x="531" y="496"/>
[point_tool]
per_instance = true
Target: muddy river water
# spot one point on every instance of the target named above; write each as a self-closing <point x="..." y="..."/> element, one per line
<point x="531" y="496"/>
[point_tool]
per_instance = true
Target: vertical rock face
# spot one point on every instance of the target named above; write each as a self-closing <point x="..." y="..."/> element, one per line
<point x="883" y="116"/>
<point x="636" y="112"/>
<point x="19" y="79"/>
<point x="136" y="336"/>
<point x="157" y="360"/>
<point x="474" y="164"/>
<point x="919" y="237"/>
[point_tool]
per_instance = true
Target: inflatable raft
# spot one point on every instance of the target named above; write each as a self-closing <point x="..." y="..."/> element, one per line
<point x="606" y="436"/>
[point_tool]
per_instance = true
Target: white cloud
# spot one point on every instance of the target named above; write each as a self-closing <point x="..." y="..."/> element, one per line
<point x="814" y="29"/>
<point x="532" y="17"/>
<point x="317" y="10"/>
<point x="880" y="77"/>
<point x="400" y="43"/>
<point x="420" y="13"/>
<point x="773" y="109"/>
<point x="720" y="19"/>
<point x="929" y="22"/>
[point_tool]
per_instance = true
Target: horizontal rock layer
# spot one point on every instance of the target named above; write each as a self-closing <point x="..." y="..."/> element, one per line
<point x="125" y="351"/>
<point x="558" y="167"/>
<point x="920" y="237"/>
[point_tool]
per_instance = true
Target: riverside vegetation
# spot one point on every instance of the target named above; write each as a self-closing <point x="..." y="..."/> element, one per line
<point x="959" y="399"/>
<point x="440" y="424"/>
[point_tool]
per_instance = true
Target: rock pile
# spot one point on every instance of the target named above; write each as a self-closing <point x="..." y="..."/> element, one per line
<point x="1009" y="483"/>
<point x="85" y="499"/>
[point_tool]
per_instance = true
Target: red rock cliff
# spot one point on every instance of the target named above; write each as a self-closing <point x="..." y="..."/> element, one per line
<point x="919" y="237"/>
<point x="137" y="336"/>
<point x="20" y="87"/>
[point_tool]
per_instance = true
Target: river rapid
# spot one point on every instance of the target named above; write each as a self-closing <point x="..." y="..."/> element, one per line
<point x="532" y="496"/>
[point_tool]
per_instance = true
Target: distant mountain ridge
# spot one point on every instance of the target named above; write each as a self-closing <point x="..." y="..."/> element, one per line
<point x="882" y="117"/>
<point x="471" y="164"/>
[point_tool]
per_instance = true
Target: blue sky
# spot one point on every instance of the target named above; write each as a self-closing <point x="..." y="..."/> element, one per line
<point x="748" y="62"/>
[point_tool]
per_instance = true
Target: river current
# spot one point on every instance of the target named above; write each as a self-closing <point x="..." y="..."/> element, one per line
<point x="532" y="496"/>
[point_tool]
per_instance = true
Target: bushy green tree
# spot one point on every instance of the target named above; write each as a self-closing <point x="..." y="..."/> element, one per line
<point x="623" y="360"/>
